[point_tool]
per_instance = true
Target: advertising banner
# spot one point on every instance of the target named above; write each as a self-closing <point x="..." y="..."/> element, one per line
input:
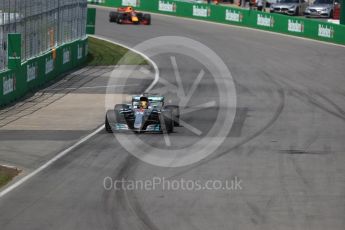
<point x="14" y="51"/>
<point x="135" y="3"/>
<point x="31" y="71"/>
<point x="166" y="6"/>
<point x="233" y="15"/>
<point x="201" y="11"/>
<point x="296" y="26"/>
<point x="91" y="21"/>
<point x="9" y="83"/>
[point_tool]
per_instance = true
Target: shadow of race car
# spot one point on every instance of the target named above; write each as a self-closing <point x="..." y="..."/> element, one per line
<point x="127" y="15"/>
<point x="144" y="114"/>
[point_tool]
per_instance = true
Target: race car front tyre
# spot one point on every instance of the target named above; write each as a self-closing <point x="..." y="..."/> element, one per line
<point x="175" y="109"/>
<point x="109" y="119"/>
<point x="119" y="19"/>
<point x="147" y="19"/>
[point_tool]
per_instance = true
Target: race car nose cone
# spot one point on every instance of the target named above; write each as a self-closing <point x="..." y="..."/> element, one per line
<point x="138" y="120"/>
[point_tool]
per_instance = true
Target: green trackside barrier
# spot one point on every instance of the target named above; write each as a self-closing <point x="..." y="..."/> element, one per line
<point x="8" y="81"/>
<point x="295" y="26"/>
<point x="33" y="73"/>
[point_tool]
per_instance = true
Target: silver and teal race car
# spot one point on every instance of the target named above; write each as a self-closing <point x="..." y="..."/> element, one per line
<point x="144" y="114"/>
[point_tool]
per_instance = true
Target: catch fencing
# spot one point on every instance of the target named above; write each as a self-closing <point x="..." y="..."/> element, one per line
<point x="39" y="40"/>
<point x="43" y="25"/>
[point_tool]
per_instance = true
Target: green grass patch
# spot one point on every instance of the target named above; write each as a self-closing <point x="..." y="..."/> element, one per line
<point x="102" y="53"/>
<point x="7" y="174"/>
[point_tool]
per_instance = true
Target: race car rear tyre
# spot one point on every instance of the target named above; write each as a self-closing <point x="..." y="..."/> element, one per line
<point x="107" y="125"/>
<point x="147" y="19"/>
<point x="167" y="118"/>
<point x="113" y="16"/>
<point x="175" y="113"/>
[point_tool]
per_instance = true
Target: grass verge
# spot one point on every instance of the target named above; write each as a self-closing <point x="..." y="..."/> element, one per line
<point x="103" y="53"/>
<point x="7" y="174"/>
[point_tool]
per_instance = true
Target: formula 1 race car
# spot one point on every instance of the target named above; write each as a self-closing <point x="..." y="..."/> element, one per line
<point x="127" y="15"/>
<point x="144" y="114"/>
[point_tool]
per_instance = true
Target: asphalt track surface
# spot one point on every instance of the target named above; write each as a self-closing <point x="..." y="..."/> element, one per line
<point x="286" y="145"/>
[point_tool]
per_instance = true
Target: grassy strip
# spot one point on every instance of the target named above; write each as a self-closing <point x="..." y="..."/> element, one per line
<point x="7" y="174"/>
<point x="102" y="53"/>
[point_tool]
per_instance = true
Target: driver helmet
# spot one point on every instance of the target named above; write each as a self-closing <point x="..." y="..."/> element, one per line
<point x="144" y="103"/>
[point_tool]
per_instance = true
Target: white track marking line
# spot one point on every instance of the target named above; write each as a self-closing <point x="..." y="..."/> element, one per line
<point x="51" y="161"/>
<point x="83" y="140"/>
<point x="235" y="26"/>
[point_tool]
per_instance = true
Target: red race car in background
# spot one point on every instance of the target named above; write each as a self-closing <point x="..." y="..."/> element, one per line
<point x="127" y="15"/>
